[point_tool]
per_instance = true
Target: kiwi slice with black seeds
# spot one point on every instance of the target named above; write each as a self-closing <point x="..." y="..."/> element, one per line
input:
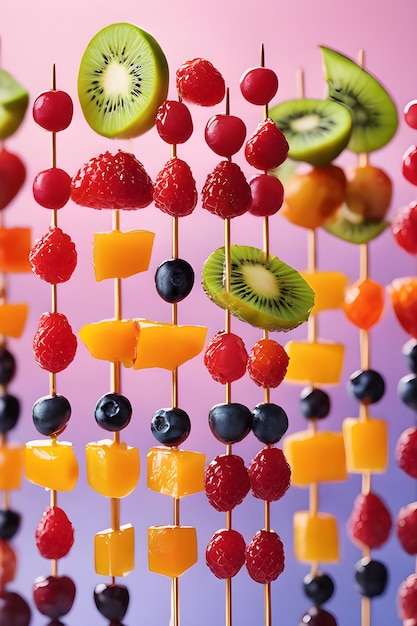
<point x="353" y="228"/>
<point x="122" y="80"/>
<point x="317" y="131"/>
<point x="265" y="292"/>
<point x="374" y="114"/>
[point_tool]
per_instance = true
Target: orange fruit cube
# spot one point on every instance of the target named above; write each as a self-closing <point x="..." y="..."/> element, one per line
<point x="15" y="245"/>
<point x="13" y="319"/>
<point x="329" y="289"/>
<point x="314" y="363"/>
<point x="113" y="468"/>
<point x="366" y="444"/>
<point x="11" y="466"/>
<point x="51" y="464"/>
<point x="172" y="550"/>
<point x="112" y="340"/>
<point x="121" y="254"/>
<point x="176" y="473"/>
<point x="364" y="303"/>
<point x="315" y="537"/>
<point x="315" y="457"/>
<point x="114" y="551"/>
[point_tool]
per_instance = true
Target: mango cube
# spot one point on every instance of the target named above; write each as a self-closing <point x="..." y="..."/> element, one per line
<point x="315" y="537"/>
<point x="114" y="551"/>
<point x="13" y="319"/>
<point x="366" y="444"/>
<point x="171" y="549"/>
<point x="15" y="245"/>
<point x="51" y="464"/>
<point x="11" y="466"/>
<point x="121" y="254"/>
<point x="112" y="340"/>
<point x="329" y="289"/>
<point x="315" y="457"/>
<point x="113" y="468"/>
<point x="175" y="472"/>
<point x="314" y="363"/>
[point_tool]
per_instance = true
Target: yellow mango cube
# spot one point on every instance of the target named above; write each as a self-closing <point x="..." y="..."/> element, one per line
<point x="315" y="537"/>
<point x="329" y="289"/>
<point x="13" y="319"/>
<point x="314" y="363"/>
<point x="112" y="467"/>
<point x="114" y="551"/>
<point x="315" y="457"/>
<point x="112" y="340"/>
<point x="366" y="444"/>
<point x="121" y="254"/>
<point x="11" y="466"/>
<point x="15" y="245"/>
<point x="171" y="549"/>
<point x="51" y="464"/>
<point x="175" y="472"/>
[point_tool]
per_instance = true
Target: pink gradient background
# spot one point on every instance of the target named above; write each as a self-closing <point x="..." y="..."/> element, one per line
<point x="33" y="37"/>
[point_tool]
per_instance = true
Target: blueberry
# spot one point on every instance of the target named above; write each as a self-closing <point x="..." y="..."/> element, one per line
<point x="230" y="422"/>
<point x="407" y="390"/>
<point x="318" y="587"/>
<point x="9" y="412"/>
<point x="371" y="577"/>
<point x="368" y="386"/>
<point x="111" y="600"/>
<point x="113" y="412"/>
<point x="409" y="352"/>
<point x="9" y="523"/>
<point x="314" y="403"/>
<point x="269" y="422"/>
<point x="174" y="280"/>
<point x="7" y="366"/>
<point x="170" y="426"/>
<point x="50" y="414"/>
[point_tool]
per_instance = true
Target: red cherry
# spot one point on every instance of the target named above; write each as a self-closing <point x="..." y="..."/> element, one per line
<point x="53" y="110"/>
<point x="409" y="167"/>
<point x="404" y="227"/>
<point x="267" y="147"/>
<point x="410" y="113"/>
<point x="14" y="610"/>
<point x="225" y="134"/>
<point x="12" y="176"/>
<point x="267" y="195"/>
<point x="54" y="595"/>
<point x="173" y="122"/>
<point x="52" y="188"/>
<point x="259" y="85"/>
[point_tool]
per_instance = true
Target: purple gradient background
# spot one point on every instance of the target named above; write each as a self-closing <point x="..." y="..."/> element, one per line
<point x="33" y="37"/>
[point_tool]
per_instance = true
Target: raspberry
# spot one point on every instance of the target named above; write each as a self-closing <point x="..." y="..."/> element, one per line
<point x="267" y="363"/>
<point x="226" y="357"/>
<point x="407" y="527"/>
<point x="54" y="344"/>
<point x="226" y="482"/>
<point x="269" y="474"/>
<point x="267" y="147"/>
<point x="175" y="192"/>
<point x="265" y="557"/>
<point x="406" y="451"/>
<point x="112" y="182"/>
<point x="226" y="192"/>
<point x="199" y="82"/>
<point x="370" y="521"/>
<point x="407" y="599"/>
<point x="225" y="553"/>
<point x="53" y="257"/>
<point x="54" y="534"/>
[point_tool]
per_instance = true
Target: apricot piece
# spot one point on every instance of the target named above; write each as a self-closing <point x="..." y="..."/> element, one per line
<point x="368" y="191"/>
<point x="13" y="319"/>
<point x="112" y="467"/>
<point x="171" y="549"/>
<point x="315" y="537"/>
<point x="315" y="457"/>
<point x="11" y="466"/>
<point x="114" y="551"/>
<point x="329" y="289"/>
<point x="366" y="445"/>
<point x="120" y="254"/>
<point x="51" y="464"/>
<point x="15" y="245"/>
<point x="315" y="363"/>
<point x="112" y="340"/>
<point x="176" y="473"/>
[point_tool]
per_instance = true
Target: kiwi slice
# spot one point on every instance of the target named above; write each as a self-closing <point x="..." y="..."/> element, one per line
<point x="374" y="114"/>
<point x="122" y="80"/>
<point x="352" y="227"/>
<point x="316" y="130"/>
<point x="14" y="100"/>
<point x="266" y="293"/>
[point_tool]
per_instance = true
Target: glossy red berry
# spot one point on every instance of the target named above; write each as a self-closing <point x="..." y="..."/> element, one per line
<point x="370" y="522"/>
<point x="52" y="188"/>
<point x="226" y="192"/>
<point x="226" y="357"/>
<point x="409" y="165"/>
<point x="259" y="85"/>
<point x="14" y="610"/>
<point x="54" y="595"/>
<point x="54" y="344"/>
<point x="265" y="559"/>
<point x="269" y="474"/>
<point x="54" y="534"/>
<point x="12" y="176"/>
<point x="404" y="227"/>
<point x="226" y="482"/>
<point x="53" y="257"/>
<point x="406" y="451"/>
<point x="406" y="527"/>
<point x="225" y="553"/>
<point x="410" y="113"/>
<point x="267" y="195"/>
<point x="267" y="147"/>
<point x="225" y="134"/>
<point x="407" y="600"/>
<point x="267" y="363"/>
<point x="53" y="110"/>
<point x="199" y="82"/>
<point x="174" y="122"/>
<point x="175" y="191"/>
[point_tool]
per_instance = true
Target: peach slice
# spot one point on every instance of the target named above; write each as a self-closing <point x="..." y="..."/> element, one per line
<point x="112" y="340"/>
<point x="329" y="289"/>
<point x="15" y="245"/>
<point x="13" y="319"/>
<point x="315" y="363"/>
<point x="121" y="254"/>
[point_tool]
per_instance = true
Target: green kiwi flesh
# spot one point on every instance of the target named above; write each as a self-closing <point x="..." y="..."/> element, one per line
<point x="374" y="114"/>
<point x="123" y="78"/>
<point x="266" y="293"/>
<point x="353" y="228"/>
<point x="14" y="100"/>
<point x="317" y="131"/>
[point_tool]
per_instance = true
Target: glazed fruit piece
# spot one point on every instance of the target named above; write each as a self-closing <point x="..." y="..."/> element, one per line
<point x="407" y="599"/>
<point x="226" y="192"/>
<point x="316" y="616"/>
<point x="371" y="577"/>
<point x="113" y="468"/>
<point x="329" y="289"/>
<point x="199" y="82"/>
<point x="266" y="149"/>
<point x="267" y="195"/>
<point x="406" y="527"/>
<point x="314" y="363"/>
<point x="314" y="403"/>
<point x="409" y="352"/>
<point x="269" y="422"/>
<point x="114" y="551"/>
<point x="54" y="344"/>
<point x="225" y="553"/>
<point x="8" y="561"/>
<point x="52" y="188"/>
<point x="370" y="521"/>
<point x="14" y="100"/>
<point x="316" y="537"/>
<point x="259" y="85"/>
<point x="14" y="610"/>
<point x="15" y="245"/>
<point x="367" y="386"/>
<point x="13" y="319"/>
<point x="9" y="412"/>
<point x="225" y="357"/>
<point x="404" y="227"/>
<point x="54" y="534"/>
<point x="406" y="451"/>
<point x="316" y="447"/>
<point x="171" y="426"/>
<point x="226" y="482"/>
<point x="7" y="366"/>
<point x="174" y="122"/>
<point x="54" y="595"/>
<point x="267" y="363"/>
<point x="112" y="601"/>
<point x="407" y="390"/>
<point x="269" y="474"/>
<point x="12" y="176"/>
<point x="364" y="303"/>
<point x="53" y="110"/>
<point x="174" y="472"/>
<point x="51" y="464"/>
<point x="112" y="340"/>
<point x="318" y="587"/>
<point x="51" y="414"/>
<point x="403" y="293"/>
<point x="9" y="523"/>
<point x="410" y="113"/>
<point x="368" y="191"/>
<point x="265" y="559"/>
<point x="172" y="550"/>
<point x="225" y="134"/>
<point x="113" y="412"/>
<point x="11" y="463"/>
<point x="366" y="445"/>
<point x="409" y="165"/>
<point x="230" y="422"/>
<point x="118" y="254"/>
<point x="53" y="257"/>
<point x="175" y="191"/>
<point x="174" y="280"/>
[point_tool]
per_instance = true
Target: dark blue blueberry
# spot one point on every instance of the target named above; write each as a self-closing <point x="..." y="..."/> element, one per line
<point x="409" y="352"/>
<point x="407" y="390"/>
<point x="371" y="577"/>
<point x="174" y="280"/>
<point x="111" y="600"/>
<point x="318" y="587"/>
<point x="230" y="422"/>
<point x="51" y="414"/>
<point x="367" y="386"/>
<point x="9" y="412"/>
<point x="269" y="422"/>
<point x="7" y="366"/>
<point x="170" y="426"/>
<point x="314" y="403"/>
<point x="9" y="523"/>
<point x="113" y="412"/>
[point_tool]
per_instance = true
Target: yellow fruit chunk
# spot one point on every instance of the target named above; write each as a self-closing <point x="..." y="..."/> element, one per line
<point x="15" y="245"/>
<point x="111" y="340"/>
<point x="114" y="551"/>
<point x="13" y="319"/>
<point x="366" y="444"/>
<point x="121" y="254"/>
<point x="11" y="466"/>
<point x="316" y="363"/>
<point x="167" y="345"/>
<point x="113" y="468"/>
<point x="51" y="464"/>
<point x="315" y="537"/>
<point x="329" y="289"/>
<point x="315" y="457"/>
<point x="171" y="549"/>
<point x="175" y="472"/>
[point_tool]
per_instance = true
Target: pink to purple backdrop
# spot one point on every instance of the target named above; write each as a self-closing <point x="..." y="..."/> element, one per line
<point x="33" y="37"/>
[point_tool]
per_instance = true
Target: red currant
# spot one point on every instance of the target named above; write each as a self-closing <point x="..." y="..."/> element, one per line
<point x="53" y="110"/>
<point x="409" y="167"/>
<point x="52" y="188"/>
<point x="267" y="195"/>
<point x="259" y="85"/>
<point x="173" y="122"/>
<point x="410" y="113"/>
<point x="225" y="134"/>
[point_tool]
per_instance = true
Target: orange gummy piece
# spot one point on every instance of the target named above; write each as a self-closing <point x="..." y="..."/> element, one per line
<point x="121" y="254"/>
<point x="329" y="289"/>
<point x="175" y="472"/>
<point x="51" y="464"/>
<point x="315" y="457"/>
<point x="315" y="363"/>
<point x="172" y="550"/>
<point x="13" y="319"/>
<point x="112" y="340"/>
<point x="364" y="303"/>
<point x="114" y="551"/>
<point x="15" y="245"/>
<point x="315" y="537"/>
<point x="366" y="444"/>
<point x="113" y="468"/>
<point x="11" y="466"/>
<point x="8" y="563"/>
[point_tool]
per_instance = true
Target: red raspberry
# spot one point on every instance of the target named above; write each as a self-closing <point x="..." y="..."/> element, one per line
<point x="226" y="192"/>
<point x="112" y="182"/>
<point x="406" y="451"/>
<point x="175" y="192"/>
<point x="226" y="482"/>
<point x="54" y="344"/>
<point x="53" y="257"/>
<point x="267" y="147"/>
<point x="267" y="363"/>
<point x="199" y="82"/>
<point x="269" y="474"/>
<point x="54" y="534"/>
<point x="225" y="553"/>
<point x="370" y="522"/>
<point x="407" y="527"/>
<point x="226" y="357"/>
<point x="265" y="559"/>
<point x="407" y="599"/>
